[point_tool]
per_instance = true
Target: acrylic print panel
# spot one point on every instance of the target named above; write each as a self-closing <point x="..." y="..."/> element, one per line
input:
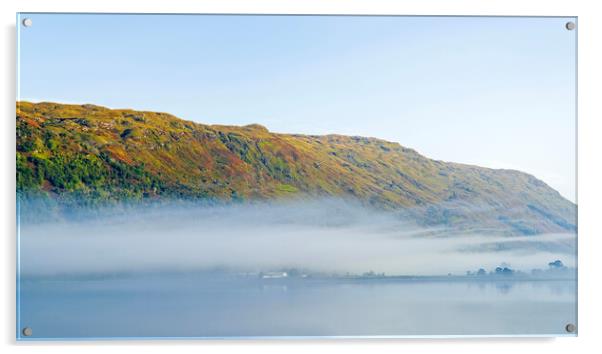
<point x="295" y="176"/>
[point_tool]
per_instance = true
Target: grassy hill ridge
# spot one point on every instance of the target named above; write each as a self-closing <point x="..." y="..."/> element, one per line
<point x="105" y="154"/>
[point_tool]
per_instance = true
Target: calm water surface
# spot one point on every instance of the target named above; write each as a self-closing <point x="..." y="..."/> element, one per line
<point x="192" y="305"/>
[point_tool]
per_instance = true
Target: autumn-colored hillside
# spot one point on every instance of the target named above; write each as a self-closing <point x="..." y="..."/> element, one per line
<point x="104" y="154"/>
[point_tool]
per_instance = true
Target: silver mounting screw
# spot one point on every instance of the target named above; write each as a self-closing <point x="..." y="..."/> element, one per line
<point x="570" y="328"/>
<point x="27" y="332"/>
<point x="570" y="25"/>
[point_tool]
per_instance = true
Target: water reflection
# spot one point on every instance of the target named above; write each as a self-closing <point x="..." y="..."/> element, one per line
<point x="193" y="305"/>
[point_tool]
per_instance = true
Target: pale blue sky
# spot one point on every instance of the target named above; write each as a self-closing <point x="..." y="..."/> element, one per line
<point x="496" y="92"/>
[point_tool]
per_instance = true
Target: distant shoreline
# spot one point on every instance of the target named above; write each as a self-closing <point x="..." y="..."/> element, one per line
<point x="204" y="276"/>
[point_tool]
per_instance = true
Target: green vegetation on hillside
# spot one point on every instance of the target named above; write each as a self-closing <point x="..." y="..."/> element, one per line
<point x="97" y="153"/>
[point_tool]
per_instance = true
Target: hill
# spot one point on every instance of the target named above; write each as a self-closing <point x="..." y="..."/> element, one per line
<point x="96" y="153"/>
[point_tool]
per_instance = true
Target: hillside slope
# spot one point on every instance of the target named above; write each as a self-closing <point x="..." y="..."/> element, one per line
<point x="100" y="153"/>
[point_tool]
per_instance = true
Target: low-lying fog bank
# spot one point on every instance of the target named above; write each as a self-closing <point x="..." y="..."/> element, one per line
<point x="321" y="236"/>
